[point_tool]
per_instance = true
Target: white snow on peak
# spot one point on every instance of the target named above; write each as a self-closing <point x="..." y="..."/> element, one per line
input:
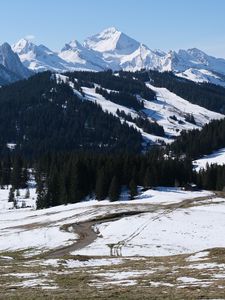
<point x="74" y="44"/>
<point x="112" y="40"/>
<point x="195" y="58"/>
<point x="142" y="58"/>
<point x="201" y="75"/>
<point x="38" y="58"/>
<point x="113" y="49"/>
<point x="81" y="58"/>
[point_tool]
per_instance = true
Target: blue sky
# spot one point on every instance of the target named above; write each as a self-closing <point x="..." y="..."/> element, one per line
<point x="162" y="24"/>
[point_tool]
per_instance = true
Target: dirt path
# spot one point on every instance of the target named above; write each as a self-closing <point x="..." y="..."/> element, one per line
<point x="87" y="235"/>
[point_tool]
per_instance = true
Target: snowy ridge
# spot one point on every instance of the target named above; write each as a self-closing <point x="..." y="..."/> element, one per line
<point x="81" y="58"/>
<point x="113" y="49"/>
<point x="38" y="58"/>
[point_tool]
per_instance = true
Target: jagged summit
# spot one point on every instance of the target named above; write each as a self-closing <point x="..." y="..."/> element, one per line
<point x="38" y="57"/>
<point x="13" y="68"/>
<point x="74" y="44"/>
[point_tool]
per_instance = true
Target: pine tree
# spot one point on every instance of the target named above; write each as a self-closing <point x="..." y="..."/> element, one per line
<point x="41" y="192"/>
<point x="147" y="178"/>
<point x="16" y="177"/>
<point x="15" y="204"/>
<point x="53" y="189"/>
<point x="11" y="195"/>
<point x="27" y="195"/>
<point x="25" y="178"/>
<point x="114" y="190"/>
<point x="133" y="189"/>
<point x="101" y="185"/>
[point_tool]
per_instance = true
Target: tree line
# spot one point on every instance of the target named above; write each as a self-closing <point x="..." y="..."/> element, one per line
<point x="70" y="178"/>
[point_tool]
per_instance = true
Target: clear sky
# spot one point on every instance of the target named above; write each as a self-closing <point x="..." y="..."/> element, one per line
<point x="160" y="24"/>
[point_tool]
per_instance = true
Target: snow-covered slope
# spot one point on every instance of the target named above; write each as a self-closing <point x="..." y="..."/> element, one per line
<point x="35" y="231"/>
<point x="195" y="65"/>
<point x="200" y="59"/>
<point x="217" y="157"/>
<point x="11" y="68"/>
<point x="82" y="58"/>
<point x="166" y="232"/>
<point x="113" y="49"/>
<point x="202" y="75"/>
<point x="168" y="110"/>
<point x="172" y="112"/>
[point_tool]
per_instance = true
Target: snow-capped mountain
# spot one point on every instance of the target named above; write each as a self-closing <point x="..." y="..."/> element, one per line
<point x="195" y="65"/>
<point x="112" y="40"/>
<point x="81" y="58"/>
<point x="113" y="49"/>
<point x="121" y="51"/>
<point x="142" y="58"/>
<point x="39" y="58"/>
<point x="11" y="68"/>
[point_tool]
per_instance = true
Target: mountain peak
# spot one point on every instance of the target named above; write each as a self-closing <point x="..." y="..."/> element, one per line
<point x="113" y="49"/>
<point x="23" y="46"/>
<point x="11" y="61"/>
<point x="112" y="40"/>
<point x="195" y="50"/>
<point x="6" y="46"/>
<point x="72" y="45"/>
<point x="110" y="30"/>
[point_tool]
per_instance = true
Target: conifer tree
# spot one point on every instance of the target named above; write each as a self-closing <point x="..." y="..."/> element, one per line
<point x="101" y="185"/>
<point x="17" y="193"/>
<point x="41" y="192"/>
<point x="114" y="190"/>
<point x="147" y="178"/>
<point x="16" y="176"/>
<point x="15" y="204"/>
<point x="133" y="189"/>
<point x="27" y="195"/>
<point x="25" y="178"/>
<point x="11" y="195"/>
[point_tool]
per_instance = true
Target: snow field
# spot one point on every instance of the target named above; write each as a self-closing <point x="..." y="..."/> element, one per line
<point x="42" y="230"/>
<point x="163" y="233"/>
